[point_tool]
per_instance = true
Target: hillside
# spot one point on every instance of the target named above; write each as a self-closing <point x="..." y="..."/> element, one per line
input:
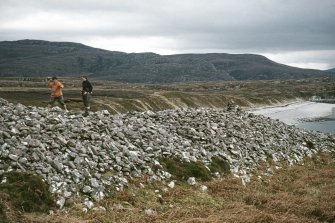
<point x="42" y="58"/>
<point x="331" y="70"/>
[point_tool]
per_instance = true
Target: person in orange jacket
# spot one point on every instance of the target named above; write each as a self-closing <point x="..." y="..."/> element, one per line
<point x="56" y="92"/>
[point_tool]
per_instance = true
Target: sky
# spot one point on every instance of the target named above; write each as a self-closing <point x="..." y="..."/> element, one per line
<point x="298" y="33"/>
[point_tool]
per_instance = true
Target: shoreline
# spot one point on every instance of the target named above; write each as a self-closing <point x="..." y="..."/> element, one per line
<point x="293" y="113"/>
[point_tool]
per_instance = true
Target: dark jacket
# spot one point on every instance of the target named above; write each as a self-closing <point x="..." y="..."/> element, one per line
<point x="87" y="87"/>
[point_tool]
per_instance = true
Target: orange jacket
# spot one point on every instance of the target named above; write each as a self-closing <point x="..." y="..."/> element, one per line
<point x="56" y="88"/>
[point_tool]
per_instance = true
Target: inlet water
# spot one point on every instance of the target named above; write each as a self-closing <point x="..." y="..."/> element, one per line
<point x="304" y="114"/>
<point x="322" y="124"/>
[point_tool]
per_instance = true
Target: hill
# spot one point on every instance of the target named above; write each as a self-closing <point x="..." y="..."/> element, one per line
<point x="331" y="70"/>
<point x="42" y="58"/>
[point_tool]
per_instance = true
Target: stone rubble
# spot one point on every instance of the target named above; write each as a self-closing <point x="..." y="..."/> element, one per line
<point x="87" y="156"/>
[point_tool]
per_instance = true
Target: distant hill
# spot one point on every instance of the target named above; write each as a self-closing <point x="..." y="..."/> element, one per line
<point x="331" y="70"/>
<point x="43" y="58"/>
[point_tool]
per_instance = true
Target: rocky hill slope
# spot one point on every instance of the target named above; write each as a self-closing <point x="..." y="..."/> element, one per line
<point x="89" y="156"/>
<point x="42" y="58"/>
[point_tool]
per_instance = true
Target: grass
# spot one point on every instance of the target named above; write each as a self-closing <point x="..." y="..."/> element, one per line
<point x="27" y="192"/>
<point x="294" y="194"/>
<point x="181" y="170"/>
<point x="23" y="192"/>
<point x="219" y="165"/>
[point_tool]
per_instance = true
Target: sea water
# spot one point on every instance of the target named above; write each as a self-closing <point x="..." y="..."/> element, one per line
<point x="323" y="124"/>
<point x="303" y="114"/>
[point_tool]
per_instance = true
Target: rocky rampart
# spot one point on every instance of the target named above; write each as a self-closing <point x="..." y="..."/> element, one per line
<point x="87" y="156"/>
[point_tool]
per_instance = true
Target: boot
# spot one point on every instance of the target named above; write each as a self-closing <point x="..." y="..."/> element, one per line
<point x="65" y="109"/>
<point x="87" y="109"/>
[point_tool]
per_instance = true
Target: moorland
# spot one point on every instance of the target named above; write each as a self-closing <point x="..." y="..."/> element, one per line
<point x="118" y="97"/>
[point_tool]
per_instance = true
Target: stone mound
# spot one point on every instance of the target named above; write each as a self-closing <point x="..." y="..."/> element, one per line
<point x="87" y="155"/>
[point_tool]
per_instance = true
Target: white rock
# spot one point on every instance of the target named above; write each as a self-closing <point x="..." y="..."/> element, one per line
<point x="203" y="188"/>
<point x="172" y="184"/>
<point x="150" y="212"/>
<point x="191" y="181"/>
<point x="60" y="202"/>
<point x="89" y="204"/>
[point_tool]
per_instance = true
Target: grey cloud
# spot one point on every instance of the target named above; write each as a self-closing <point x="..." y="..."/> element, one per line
<point x="216" y="25"/>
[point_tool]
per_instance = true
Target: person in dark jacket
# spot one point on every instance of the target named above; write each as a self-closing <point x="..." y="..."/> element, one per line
<point x="86" y="93"/>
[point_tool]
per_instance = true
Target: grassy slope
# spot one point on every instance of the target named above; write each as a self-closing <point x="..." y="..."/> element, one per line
<point x="301" y="193"/>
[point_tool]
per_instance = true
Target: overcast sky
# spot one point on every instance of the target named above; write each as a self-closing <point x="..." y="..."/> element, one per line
<point x="295" y="32"/>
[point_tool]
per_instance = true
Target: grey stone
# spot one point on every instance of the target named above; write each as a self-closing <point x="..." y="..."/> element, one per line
<point x="94" y="183"/>
<point x="13" y="157"/>
<point x="60" y="202"/>
<point x="89" y="204"/>
<point x="87" y="189"/>
<point x="58" y="165"/>
<point x="34" y="143"/>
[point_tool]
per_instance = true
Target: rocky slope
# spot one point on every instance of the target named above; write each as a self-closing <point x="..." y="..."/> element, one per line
<point x="88" y="156"/>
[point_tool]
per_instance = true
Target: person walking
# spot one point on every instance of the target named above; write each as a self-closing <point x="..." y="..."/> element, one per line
<point x="86" y="93"/>
<point x="56" y="92"/>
